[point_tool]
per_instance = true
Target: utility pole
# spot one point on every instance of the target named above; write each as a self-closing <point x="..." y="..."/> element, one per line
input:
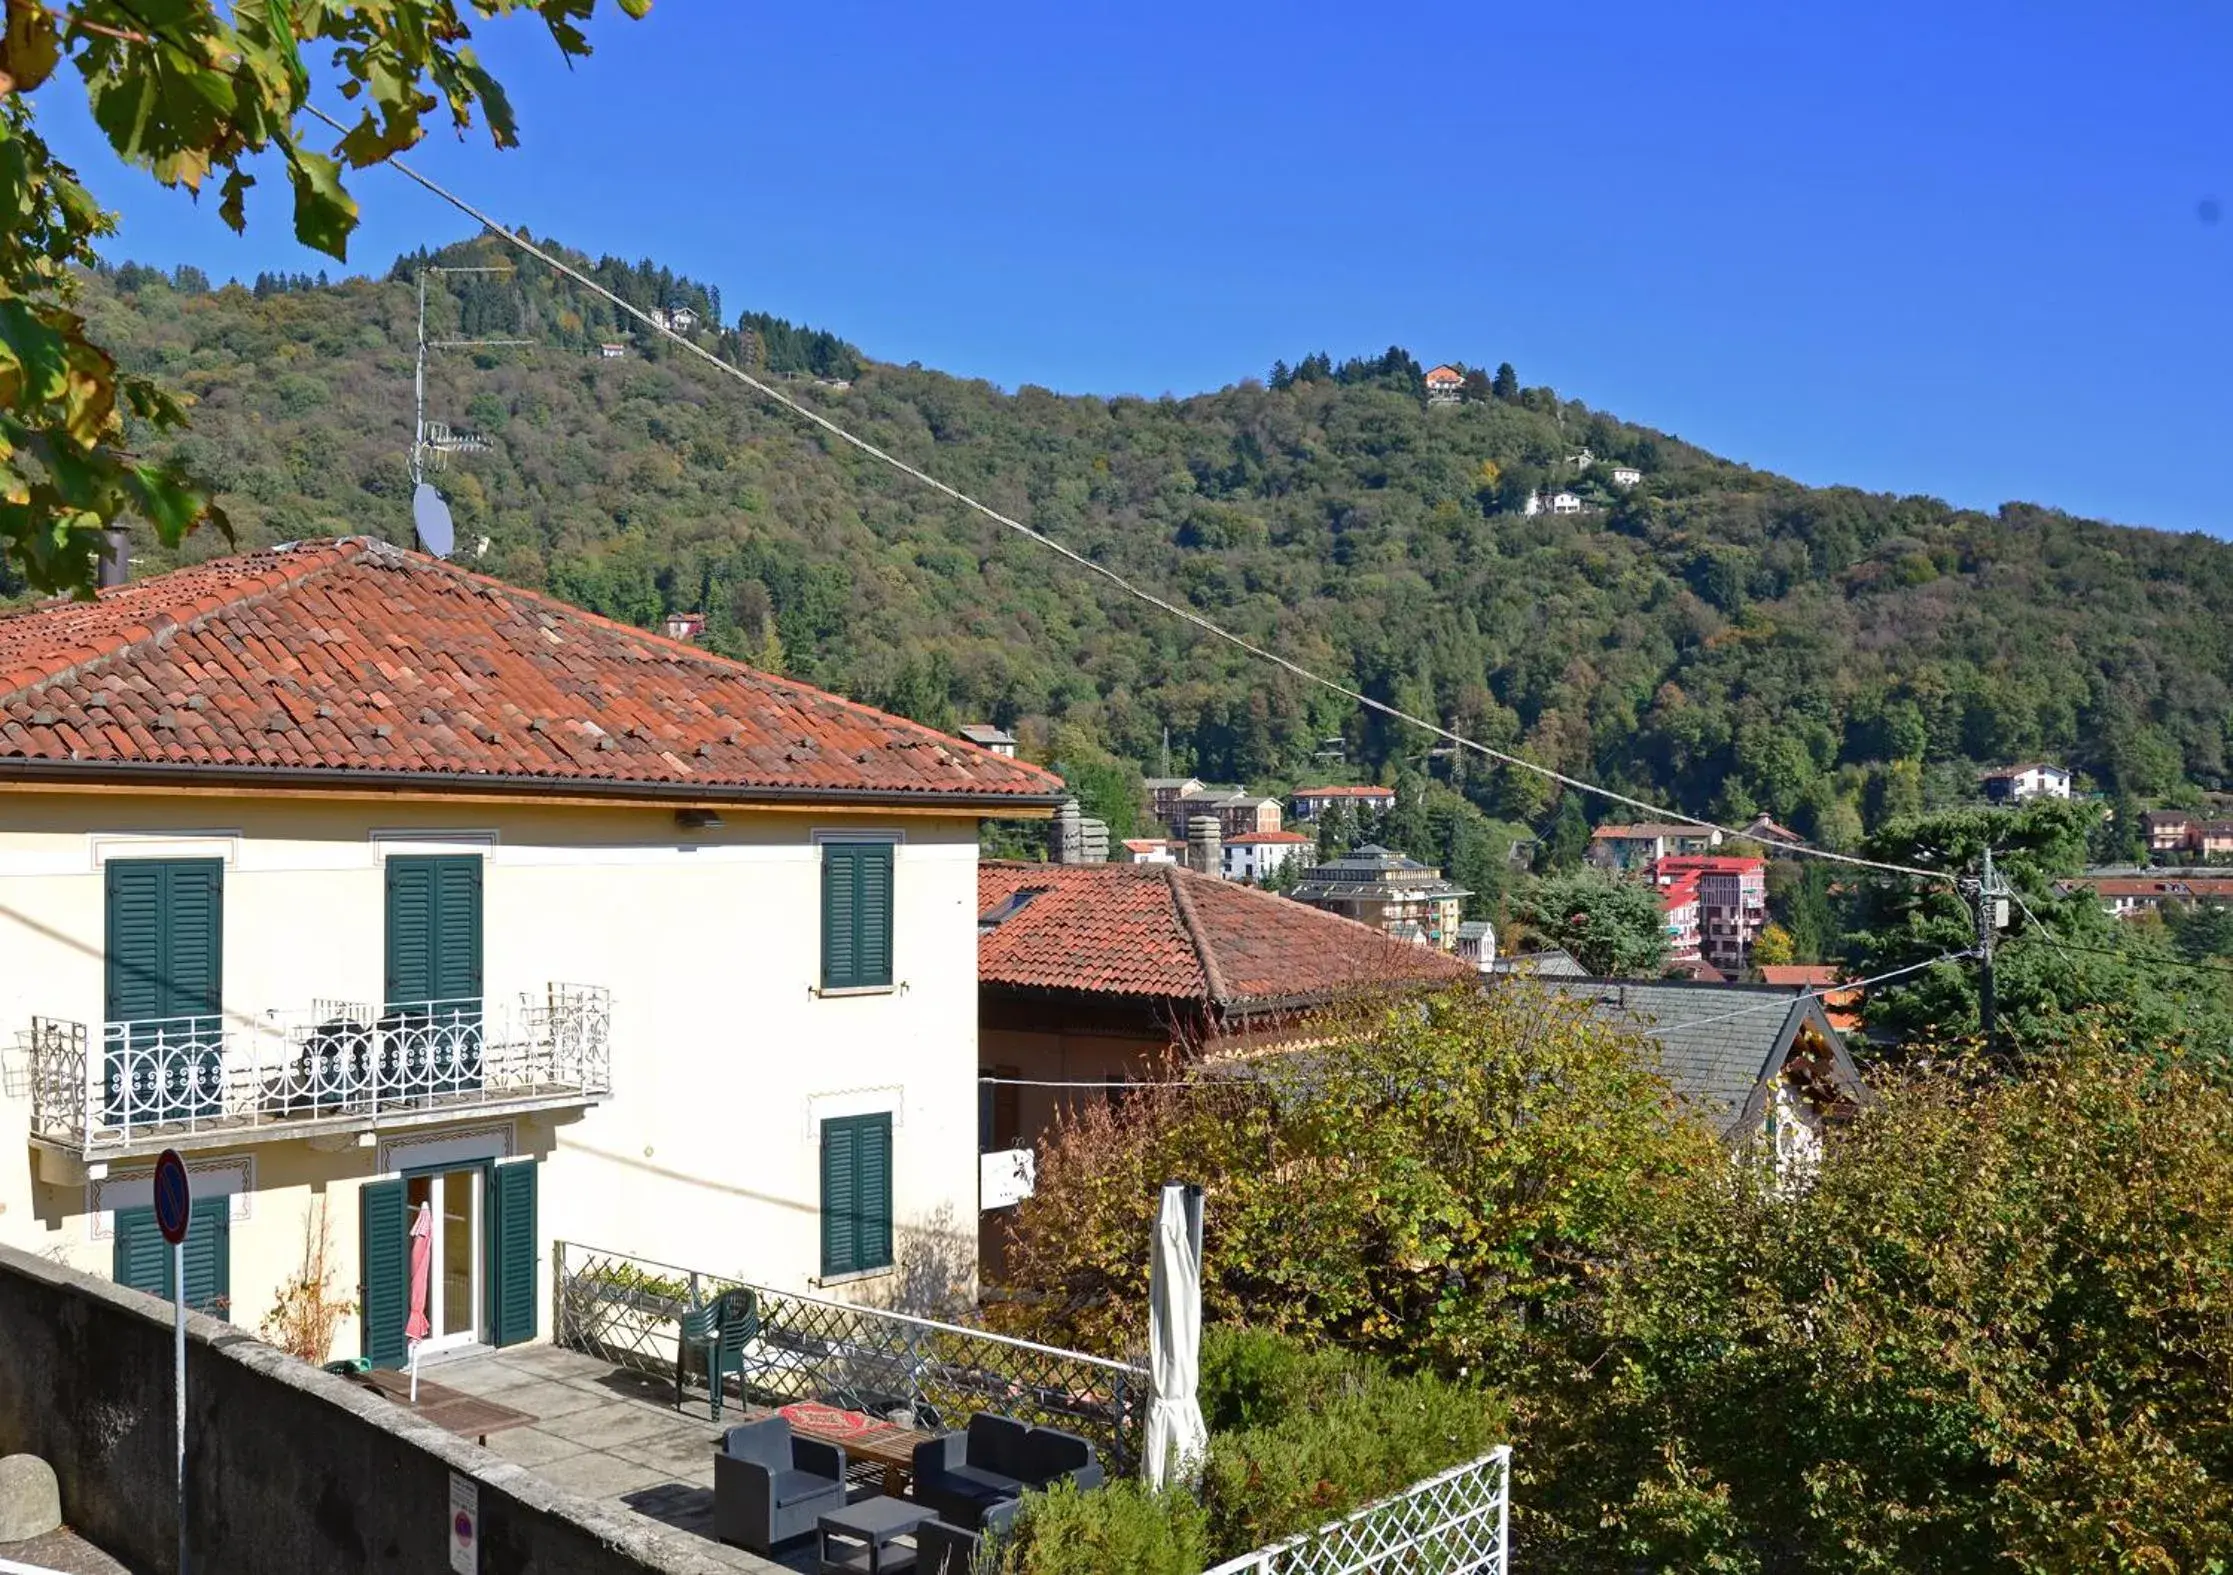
<point x="1988" y="899"/>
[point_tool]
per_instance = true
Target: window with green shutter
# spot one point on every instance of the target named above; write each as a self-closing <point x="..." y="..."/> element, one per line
<point x="856" y="1194"/>
<point x="143" y="1258"/>
<point x="164" y="946"/>
<point x="856" y="915"/>
<point x="432" y="1025"/>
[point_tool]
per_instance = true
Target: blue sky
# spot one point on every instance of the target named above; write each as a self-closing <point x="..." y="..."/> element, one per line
<point x="1883" y="245"/>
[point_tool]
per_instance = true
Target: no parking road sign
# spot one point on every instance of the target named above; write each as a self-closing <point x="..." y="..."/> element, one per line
<point x="174" y="1203"/>
<point x="174" y="1211"/>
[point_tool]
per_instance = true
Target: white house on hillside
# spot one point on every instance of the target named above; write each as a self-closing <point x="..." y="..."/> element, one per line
<point x="378" y="887"/>
<point x="1565" y="503"/>
<point x="1626" y="475"/>
<point x="2014" y="784"/>
<point x="1257" y="856"/>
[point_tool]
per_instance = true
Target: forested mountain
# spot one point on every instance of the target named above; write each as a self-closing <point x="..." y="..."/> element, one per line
<point x="1715" y="637"/>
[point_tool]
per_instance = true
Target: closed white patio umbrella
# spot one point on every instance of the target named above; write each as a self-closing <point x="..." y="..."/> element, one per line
<point x="1177" y="1436"/>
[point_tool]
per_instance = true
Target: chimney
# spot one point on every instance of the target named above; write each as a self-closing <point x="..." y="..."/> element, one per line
<point x="1066" y="834"/>
<point x="116" y="557"/>
<point x="1204" y="855"/>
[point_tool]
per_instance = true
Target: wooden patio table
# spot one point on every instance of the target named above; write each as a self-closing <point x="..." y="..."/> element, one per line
<point x="452" y="1410"/>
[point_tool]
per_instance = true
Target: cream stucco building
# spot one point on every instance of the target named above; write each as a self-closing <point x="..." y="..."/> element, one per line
<point x="382" y="891"/>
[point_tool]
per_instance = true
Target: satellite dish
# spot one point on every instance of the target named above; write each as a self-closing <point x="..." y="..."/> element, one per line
<point x="432" y="516"/>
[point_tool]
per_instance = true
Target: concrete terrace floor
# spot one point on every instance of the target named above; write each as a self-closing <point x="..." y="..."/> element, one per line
<point x="612" y="1435"/>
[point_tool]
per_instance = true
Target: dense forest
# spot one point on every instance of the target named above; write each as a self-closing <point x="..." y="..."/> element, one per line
<point x="1713" y="636"/>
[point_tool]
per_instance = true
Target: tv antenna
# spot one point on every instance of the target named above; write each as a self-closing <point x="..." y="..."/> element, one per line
<point x="432" y="442"/>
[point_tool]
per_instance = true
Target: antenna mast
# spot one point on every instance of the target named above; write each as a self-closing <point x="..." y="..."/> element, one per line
<point x="429" y="513"/>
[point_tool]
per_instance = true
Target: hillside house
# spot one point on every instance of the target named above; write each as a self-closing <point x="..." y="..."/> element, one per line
<point x="1444" y="384"/>
<point x="985" y="736"/>
<point x="1256" y="856"/>
<point x="1732" y="903"/>
<point x="1565" y="503"/>
<point x="2014" y="784"/>
<point x="1096" y="976"/>
<point x="373" y="885"/>
<point x="685" y="627"/>
<point x="1755" y="1074"/>
<point x="682" y="319"/>
<point x="1626" y="476"/>
<point x="1236" y="811"/>
<point x="2213" y="839"/>
<point x="1164" y="794"/>
<point x="1634" y="846"/>
<point x="1767" y="829"/>
<point x="1390" y="892"/>
<point x="1152" y="850"/>
<point x="612" y="352"/>
<point x="2172" y="831"/>
<point x="1842" y="1006"/>
<point x="1312" y="802"/>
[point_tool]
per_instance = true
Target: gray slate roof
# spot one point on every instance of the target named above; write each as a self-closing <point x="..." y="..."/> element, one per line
<point x="1720" y="1065"/>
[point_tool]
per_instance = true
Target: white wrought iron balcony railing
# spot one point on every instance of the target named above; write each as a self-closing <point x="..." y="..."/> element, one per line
<point x="141" y="1084"/>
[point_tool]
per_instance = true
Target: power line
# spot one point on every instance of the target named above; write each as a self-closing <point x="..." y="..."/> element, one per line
<point x="1139" y="593"/>
<point x="1783" y="1002"/>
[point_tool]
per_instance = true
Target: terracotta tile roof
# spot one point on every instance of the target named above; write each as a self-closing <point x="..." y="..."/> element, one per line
<point x="1280" y="838"/>
<point x="1805" y="976"/>
<point x="352" y="659"/>
<point x="1343" y="792"/>
<point x="1161" y="930"/>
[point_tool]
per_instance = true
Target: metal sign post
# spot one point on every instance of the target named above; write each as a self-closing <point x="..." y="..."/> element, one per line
<point x="174" y="1211"/>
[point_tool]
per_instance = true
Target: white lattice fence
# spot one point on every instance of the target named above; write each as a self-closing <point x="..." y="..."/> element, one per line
<point x="1454" y="1523"/>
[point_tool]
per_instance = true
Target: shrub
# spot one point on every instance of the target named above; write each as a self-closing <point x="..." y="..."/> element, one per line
<point x="1255" y="1378"/>
<point x="1121" y="1526"/>
<point x="1365" y="1435"/>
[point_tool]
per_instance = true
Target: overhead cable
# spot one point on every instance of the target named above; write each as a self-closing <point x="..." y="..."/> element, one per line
<point x="1140" y="593"/>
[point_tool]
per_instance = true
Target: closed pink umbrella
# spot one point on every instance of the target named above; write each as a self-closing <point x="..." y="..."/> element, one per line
<point x="416" y="1327"/>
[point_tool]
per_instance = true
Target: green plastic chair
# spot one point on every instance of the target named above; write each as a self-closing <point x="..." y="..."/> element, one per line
<point x="722" y="1328"/>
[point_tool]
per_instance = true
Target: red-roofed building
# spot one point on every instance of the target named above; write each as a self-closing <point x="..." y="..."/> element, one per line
<point x="1311" y="802"/>
<point x="1841" y="1006"/>
<point x="1256" y="856"/>
<point x="1678" y="899"/>
<point x="1101" y="974"/>
<point x="1732" y="903"/>
<point x="1444" y="384"/>
<point x="379" y="887"/>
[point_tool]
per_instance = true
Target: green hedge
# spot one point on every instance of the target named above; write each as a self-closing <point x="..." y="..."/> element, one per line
<point x="1299" y="1435"/>
<point x="1121" y="1526"/>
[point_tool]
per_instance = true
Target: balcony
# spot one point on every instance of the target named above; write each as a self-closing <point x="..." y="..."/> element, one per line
<point x="334" y="1070"/>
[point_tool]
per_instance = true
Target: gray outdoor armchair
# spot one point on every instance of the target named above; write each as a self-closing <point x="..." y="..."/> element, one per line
<point x="770" y="1485"/>
<point x="943" y="1549"/>
<point x="966" y="1475"/>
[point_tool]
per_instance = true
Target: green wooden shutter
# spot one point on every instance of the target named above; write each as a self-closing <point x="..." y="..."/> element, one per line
<point x="874" y="904"/>
<point x="457" y="929"/>
<point x="384" y="1263"/>
<point x="209" y="1257"/>
<point x="856" y="915"/>
<point x="143" y="1258"/>
<point x="839" y="1202"/>
<point x="873" y="1188"/>
<point x="840" y="919"/>
<point x="194" y="967"/>
<point x="410" y="955"/>
<point x="136" y="918"/>
<point x="513" y="1254"/>
<point x="856" y="1194"/>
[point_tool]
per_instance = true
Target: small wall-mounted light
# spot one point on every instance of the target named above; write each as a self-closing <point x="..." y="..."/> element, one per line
<point x="696" y="819"/>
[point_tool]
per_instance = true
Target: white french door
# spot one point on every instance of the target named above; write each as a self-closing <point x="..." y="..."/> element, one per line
<point x="454" y="1290"/>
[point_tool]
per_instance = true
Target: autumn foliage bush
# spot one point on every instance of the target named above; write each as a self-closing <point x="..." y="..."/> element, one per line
<point x="1995" y="1330"/>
